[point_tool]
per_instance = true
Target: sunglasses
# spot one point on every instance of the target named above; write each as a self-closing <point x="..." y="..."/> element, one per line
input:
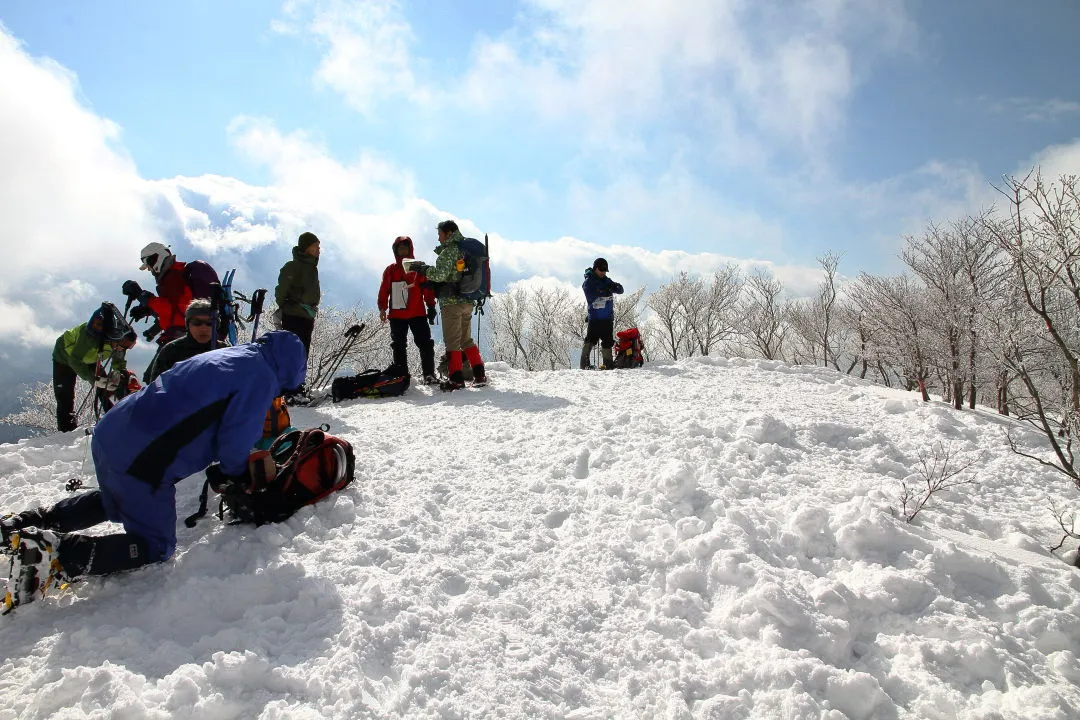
<point x="199" y="323"/>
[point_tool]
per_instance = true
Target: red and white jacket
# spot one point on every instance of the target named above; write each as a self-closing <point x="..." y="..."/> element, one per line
<point x="402" y="295"/>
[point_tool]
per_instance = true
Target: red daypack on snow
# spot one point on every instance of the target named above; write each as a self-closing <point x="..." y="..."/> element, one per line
<point x="300" y="468"/>
<point x="629" y="349"/>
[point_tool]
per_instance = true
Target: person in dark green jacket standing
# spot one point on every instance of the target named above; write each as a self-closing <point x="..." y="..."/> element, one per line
<point x="82" y="352"/>
<point x="297" y="292"/>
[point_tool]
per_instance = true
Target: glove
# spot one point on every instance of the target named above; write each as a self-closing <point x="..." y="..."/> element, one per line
<point x="419" y="266"/>
<point x="141" y="312"/>
<point x="220" y="482"/>
<point x="152" y="331"/>
<point x="131" y="289"/>
<point x="431" y="314"/>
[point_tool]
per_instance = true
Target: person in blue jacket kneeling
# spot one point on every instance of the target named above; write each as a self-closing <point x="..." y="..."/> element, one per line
<point x="205" y="414"/>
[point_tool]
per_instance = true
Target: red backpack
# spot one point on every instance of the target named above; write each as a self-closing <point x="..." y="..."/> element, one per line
<point x="300" y="468"/>
<point x="629" y="349"/>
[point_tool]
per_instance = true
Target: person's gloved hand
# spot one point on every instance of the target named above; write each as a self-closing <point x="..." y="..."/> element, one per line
<point x="220" y="482"/>
<point x="141" y="312"/>
<point x="432" y="313"/>
<point x="152" y="331"/>
<point x="131" y="289"/>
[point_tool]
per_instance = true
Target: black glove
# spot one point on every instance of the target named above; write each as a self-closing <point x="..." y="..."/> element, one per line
<point x="152" y="331"/>
<point x="141" y="312"/>
<point x="131" y="289"/>
<point x="221" y="482"/>
<point x="418" y="266"/>
<point x="431" y="314"/>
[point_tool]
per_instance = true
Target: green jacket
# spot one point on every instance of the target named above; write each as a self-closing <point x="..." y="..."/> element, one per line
<point x="445" y="273"/>
<point x="179" y="349"/>
<point x="78" y="349"/>
<point x="297" y="292"/>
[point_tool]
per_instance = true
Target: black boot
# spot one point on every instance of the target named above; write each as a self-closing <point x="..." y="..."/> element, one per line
<point x="456" y="382"/>
<point x="479" y="375"/>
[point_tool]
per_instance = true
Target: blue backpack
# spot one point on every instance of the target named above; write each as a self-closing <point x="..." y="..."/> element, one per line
<point x="475" y="281"/>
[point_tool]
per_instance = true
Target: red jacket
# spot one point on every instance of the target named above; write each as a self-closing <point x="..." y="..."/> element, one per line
<point x="176" y="288"/>
<point x="409" y="288"/>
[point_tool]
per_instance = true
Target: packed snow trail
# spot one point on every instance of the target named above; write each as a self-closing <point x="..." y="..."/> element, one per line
<point x="709" y="539"/>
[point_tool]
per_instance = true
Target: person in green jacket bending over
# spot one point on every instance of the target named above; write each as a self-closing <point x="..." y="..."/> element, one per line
<point x="297" y="292"/>
<point x="82" y="351"/>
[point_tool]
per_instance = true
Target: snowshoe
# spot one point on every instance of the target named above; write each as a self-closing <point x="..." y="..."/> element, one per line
<point x="450" y="386"/>
<point x="431" y="380"/>
<point x="34" y="567"/>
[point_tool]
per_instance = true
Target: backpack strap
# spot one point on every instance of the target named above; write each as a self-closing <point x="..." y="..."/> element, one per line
<point x="204" y="498"/>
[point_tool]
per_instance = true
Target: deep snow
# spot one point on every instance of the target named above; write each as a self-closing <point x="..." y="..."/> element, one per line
<point x="708" y="539"/>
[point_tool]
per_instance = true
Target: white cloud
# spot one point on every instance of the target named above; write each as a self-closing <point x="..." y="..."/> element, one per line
<point x="368" y="49"/>
<point x="611" y="67"/>
<point x="70" y="198"/>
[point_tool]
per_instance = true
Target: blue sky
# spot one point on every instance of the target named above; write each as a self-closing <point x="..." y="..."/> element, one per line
<point x="665" y="136"/>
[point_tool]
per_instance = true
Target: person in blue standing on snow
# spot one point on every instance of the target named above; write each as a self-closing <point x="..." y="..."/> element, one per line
<point x="599" y="289"/>
<point x="208" y="409"/>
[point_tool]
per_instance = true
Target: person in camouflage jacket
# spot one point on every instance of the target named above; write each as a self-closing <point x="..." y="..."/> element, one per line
<point x="455" y="310"/>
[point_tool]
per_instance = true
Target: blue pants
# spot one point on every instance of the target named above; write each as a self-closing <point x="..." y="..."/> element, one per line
<point x="143" y="510"/>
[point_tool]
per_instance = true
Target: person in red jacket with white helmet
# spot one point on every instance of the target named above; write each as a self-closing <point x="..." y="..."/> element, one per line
<point x="403" y="296"/>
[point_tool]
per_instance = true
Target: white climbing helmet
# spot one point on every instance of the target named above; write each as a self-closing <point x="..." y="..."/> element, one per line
<point x="156" y="258"/>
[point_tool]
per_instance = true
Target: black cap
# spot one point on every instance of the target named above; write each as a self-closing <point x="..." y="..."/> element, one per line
<point x="306" y="240"/>
<point x="600" y="264"/>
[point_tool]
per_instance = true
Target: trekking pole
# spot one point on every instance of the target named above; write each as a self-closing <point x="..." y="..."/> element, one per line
<point x="215" y="304"/>
<point x="351" y="336"/>
<point x="257" y="299"/>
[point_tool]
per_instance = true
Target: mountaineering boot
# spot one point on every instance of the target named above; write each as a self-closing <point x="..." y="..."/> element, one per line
<point x="608" y="362"/>
<point x="12" y="523"/>
<point x="431" y="379"/>
<point x="456" y="382"/>
<point x="456" y="379"/>
<point x="35" y="566"/>
<point x="476" y="364"/>
<point x="586" y="351"/>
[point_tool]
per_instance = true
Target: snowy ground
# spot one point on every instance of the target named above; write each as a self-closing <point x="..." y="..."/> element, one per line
<point x="712" y="539"/>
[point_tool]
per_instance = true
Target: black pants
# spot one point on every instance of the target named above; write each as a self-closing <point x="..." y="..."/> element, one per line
<point x="90" y="554"/>
<point x="64" y="379"/>
<point x="421" y="332"/>
<point x="602" y="331"/>
<point x="301" y="327"/>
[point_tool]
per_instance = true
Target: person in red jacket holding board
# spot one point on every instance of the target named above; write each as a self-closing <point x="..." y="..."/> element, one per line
<point x="403" y="296"/>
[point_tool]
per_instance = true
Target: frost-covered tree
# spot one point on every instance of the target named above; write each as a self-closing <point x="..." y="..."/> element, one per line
<point x="1042" y="242"/>
<point x="763" y="322"/>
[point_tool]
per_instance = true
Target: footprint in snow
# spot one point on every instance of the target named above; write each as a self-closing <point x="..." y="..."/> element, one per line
<point x="581" y="467"/>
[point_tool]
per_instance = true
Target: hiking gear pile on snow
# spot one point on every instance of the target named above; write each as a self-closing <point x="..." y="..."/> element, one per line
<point x="305" y="467"/>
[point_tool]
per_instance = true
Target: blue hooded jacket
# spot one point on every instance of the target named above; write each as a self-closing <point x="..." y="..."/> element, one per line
<point x="208" y="408"/>
<point x="598" y="295"/>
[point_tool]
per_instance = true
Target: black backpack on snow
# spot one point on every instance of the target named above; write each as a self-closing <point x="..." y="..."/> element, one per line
<point x="370" y="384"/>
